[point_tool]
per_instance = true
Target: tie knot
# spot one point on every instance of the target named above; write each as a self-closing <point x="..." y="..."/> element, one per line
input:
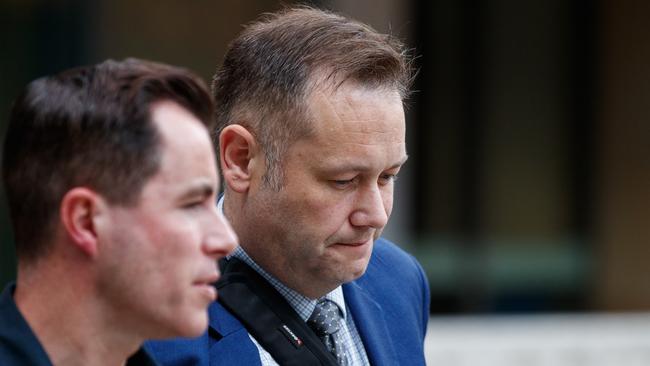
<point x="325" y="318"/>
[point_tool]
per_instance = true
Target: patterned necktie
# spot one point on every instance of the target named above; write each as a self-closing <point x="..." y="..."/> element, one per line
<point x="325" y="321"/>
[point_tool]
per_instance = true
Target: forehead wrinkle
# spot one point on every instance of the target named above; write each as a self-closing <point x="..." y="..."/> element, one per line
<point x="340" y="115"/>
<point x="347" y="97"/>
<point x="319" y="95"/>
<point x="347" y="121"/>
<point x="370" y="144"/>
<point x="379" y="123"/>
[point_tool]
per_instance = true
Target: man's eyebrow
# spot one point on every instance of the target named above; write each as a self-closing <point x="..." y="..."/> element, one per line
<point x="200" y="189"/>
<point x="362" y="167"/>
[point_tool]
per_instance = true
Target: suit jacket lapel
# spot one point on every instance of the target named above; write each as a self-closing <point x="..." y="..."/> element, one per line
<point x="371" y="324"/>
<point x="228" y="340"/>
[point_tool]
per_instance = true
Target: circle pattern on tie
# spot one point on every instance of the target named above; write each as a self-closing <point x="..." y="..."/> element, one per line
<point x="325" y="321"/>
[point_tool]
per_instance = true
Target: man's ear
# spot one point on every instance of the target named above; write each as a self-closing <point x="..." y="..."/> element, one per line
<point x="238" y="150"/>
<point x="78" y="211"/>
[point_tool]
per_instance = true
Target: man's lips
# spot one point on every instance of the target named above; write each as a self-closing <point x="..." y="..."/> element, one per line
<point x="209" y="279"/>
<point x="206" y="285"/>
<point x="353" y="243"/>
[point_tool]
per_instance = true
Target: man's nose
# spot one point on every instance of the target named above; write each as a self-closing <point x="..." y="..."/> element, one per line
<point x="371" y="208"/>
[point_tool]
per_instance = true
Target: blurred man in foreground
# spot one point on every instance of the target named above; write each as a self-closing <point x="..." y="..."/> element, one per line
<point x="111" y="179"/>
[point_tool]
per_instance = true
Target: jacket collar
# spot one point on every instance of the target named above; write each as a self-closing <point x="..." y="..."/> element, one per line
<point x="371" y="324"/>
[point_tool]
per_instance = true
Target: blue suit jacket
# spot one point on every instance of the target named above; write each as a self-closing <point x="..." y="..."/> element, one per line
<point x="389" y="304"/>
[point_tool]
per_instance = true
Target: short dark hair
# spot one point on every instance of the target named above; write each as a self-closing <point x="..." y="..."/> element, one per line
<point x="89" y="126"/>
<point x="276" y="62"/>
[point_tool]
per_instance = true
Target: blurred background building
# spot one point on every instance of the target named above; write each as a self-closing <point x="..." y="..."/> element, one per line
<point x="528" y="184"/>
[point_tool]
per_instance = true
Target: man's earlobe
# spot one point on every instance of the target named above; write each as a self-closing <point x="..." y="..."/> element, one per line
<point x="78" y="209"/>
<point x="237" y="147"/>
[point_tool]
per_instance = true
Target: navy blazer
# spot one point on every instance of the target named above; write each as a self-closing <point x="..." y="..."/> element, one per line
<point x="19" y="345"/>
<point x="389" y="304"/>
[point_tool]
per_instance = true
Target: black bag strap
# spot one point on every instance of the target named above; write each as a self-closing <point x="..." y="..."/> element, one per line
<point x="268" y="317"/>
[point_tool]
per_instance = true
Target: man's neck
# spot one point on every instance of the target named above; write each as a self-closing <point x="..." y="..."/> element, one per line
<point x="70" y="321"/>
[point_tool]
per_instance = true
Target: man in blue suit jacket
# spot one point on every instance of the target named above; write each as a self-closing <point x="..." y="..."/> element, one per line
<point x="311" y="137"/>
